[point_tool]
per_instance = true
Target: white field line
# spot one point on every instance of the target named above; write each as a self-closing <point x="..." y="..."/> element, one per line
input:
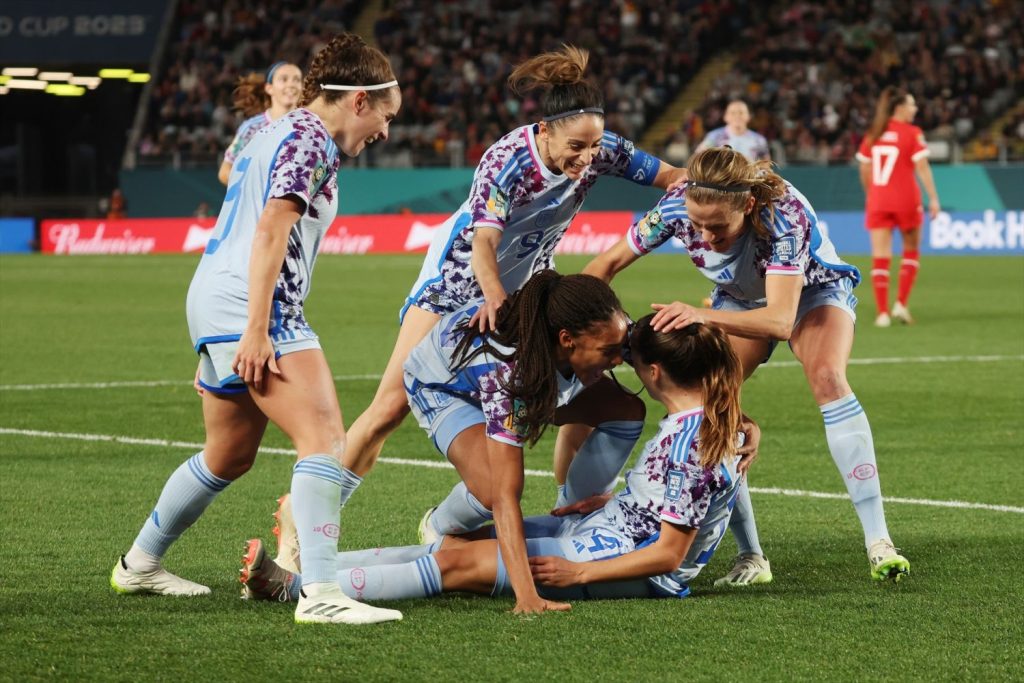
<point x="438" y="464"/>
<point x="354" y="378"/>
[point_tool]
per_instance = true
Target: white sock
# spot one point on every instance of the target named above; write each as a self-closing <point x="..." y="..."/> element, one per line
<point x="316" y="491"/>
<point x="459" y="512"/>
<point x="742" y="523"/>
<point x="419" y="579"/>
<point x="849" y="439"/>
<point x="187" y="493"/>
<point x="599" y="460"/>
<point x="350" y="481"/>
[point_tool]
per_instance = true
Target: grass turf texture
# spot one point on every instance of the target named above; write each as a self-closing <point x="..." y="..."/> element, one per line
<point x="946" y="430"/>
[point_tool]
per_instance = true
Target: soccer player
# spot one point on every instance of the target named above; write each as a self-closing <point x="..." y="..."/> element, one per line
<point x="777" y="278"/>
<point x="526" y="190"/>
<point x="262" y="100"/>
<point x="735" y="134"/>
<point x="259" y="358"/>
<point x="891" y="152"/>
<point x="649" y="540"/>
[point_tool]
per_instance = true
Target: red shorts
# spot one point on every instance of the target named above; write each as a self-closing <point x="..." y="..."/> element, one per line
<point x="886" y="220"/>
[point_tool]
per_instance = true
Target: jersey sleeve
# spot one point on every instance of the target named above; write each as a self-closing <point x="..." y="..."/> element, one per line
<point x="658" y="225"/>
<point x="918" y="147"/>
<point x="864" y="151"/>
<point x="621" y="158"/>
<point x="688" y="492"/>
<point x="503" y="415"/>
<point x="237" y="143"/>
<point x="790" y="250"/>
<point x="494" y="181"/>
<point x="763" y="151"/>
<point x="300" y="169"/>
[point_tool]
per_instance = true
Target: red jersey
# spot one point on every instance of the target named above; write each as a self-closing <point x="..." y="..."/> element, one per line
<point x="892" y="157"/>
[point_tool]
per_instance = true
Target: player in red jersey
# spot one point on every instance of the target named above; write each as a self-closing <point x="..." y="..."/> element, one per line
<point x="891" y="152"/>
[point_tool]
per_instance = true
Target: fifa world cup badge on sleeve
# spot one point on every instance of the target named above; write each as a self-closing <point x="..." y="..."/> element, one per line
<point x="651" y="225"/>
<point x="318" y="174"/>
<point x="674" y="487"/>
<point x="497" y="203"/>
<point x="514" y="421"/>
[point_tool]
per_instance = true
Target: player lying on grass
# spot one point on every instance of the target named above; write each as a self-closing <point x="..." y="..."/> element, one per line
<point x="777" y="277"/>
<point x="649" y="540"/>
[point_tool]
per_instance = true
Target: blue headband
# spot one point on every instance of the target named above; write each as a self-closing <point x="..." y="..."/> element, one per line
<point x="272" y="69"/>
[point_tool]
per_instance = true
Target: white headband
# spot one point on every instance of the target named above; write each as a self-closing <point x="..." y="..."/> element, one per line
<point x="378" y="86"/>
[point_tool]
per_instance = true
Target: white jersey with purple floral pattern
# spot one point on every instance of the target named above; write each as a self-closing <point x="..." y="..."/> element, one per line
<point x="668" y="484"/>
<point x="514" y="192"/>
<point x="245" y="132"/>
<point x="796" y="247"/>
<point x="479" y="382"/>
<point x="295" y="158"/>
<point x="752" y="145"/>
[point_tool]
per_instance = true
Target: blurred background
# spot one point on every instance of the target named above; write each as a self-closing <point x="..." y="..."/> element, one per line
<point x="114" y="109"/>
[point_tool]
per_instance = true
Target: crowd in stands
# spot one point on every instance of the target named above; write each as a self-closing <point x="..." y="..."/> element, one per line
<point x="810" y="72"/>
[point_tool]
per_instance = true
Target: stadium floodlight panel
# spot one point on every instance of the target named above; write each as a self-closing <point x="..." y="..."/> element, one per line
<point x="20" y="71"/>
<point x="88" y="81"/>
<point x="116" y="73"/>
<point x="65" y="89"/>
<point x="138" y="78"/>
<point x="54" y="75"/>
<point x="26" y="84"/>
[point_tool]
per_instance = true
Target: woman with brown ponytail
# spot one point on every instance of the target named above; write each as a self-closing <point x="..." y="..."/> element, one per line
<point x="649" y="540"/>
<point x="777" y="277"/>
<point x="259" y="359"/>
<point x="890" y="154"/>
<point x="262" y="99"/>
<point x="526" y="191"/>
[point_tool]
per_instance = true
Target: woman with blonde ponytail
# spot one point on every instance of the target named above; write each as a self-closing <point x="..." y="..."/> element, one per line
<point x="650" y="540"/>
<point x="777" y="278"/>
<point x="526" y="191"/>
<point x="262" y="99"/>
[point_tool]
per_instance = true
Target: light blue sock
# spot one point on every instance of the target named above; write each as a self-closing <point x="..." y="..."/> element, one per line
<point x="375" y="556"/>
<point x="600" y="459"/>
<point x="459" y="512"/>
<point x="742" y="523"/>
<point x="187" y="493"/>
<point x="316" y="490"/>
<point x="350" y="481"/>
<point x="853" y="450"/>
<point x="419" y="579"/>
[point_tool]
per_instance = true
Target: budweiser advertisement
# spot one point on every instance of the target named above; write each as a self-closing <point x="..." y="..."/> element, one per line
<point x="591" y="233"/>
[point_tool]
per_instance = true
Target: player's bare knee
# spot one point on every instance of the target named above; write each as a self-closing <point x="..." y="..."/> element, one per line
<point x="828" y="383"/>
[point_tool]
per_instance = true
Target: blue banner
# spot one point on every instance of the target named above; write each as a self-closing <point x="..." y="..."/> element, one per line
<point x="17" y="235"/>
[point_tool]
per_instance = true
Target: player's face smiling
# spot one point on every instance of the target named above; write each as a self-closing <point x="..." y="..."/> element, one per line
<point x="286" y="86"/>
<point x="590" y="354"/>
<point x="570" y="146"/>
<point x="371" y="123"/>
<point x="718" y="224"/>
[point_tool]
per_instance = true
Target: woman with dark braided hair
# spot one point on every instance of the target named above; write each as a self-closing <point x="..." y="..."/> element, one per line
<point x="777" y="277"/>
<point x="262" y="99"/>
<point x="526" y="190"/>
<point x="259" y="359"/>
<point x="649" y="540"/>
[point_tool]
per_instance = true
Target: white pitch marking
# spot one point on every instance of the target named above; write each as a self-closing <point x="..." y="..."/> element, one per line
<point x="356" y="378"/>
<point x="438" y="464"/>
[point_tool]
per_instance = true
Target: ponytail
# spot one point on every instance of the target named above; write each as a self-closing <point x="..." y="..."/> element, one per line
<point x="699" y="356"/>
<point x="721" y="175"/>
<point x="890" y="98"/>
<point x="529" y="322"/>
<point x="560" y="76"/>
<point x="250" y="96"/>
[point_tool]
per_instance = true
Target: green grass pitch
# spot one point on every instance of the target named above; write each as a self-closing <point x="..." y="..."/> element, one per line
<point x="947" y="429"/>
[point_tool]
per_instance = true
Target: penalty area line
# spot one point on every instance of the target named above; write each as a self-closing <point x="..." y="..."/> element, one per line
<point x="437" y="464"/>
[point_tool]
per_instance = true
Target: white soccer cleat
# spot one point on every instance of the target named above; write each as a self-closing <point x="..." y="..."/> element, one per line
<point x="287" y="536"/>
<point x="261" y="577"/>
<point x="426" y="533"/>
<point x="886" y="561"/>
<point x="329" y="605"/>
<point x="747" y="570"/>
<point x="126" y="581"/>
<point x="883" y="320"/>
<point x="901" y="313"/>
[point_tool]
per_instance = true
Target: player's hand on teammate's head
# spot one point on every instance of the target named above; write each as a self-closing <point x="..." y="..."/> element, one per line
<point x="674" y="316"/>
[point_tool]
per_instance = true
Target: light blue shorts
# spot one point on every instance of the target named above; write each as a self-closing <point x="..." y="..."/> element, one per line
<point x="838" y="293"/>
<point x="442" y="416"/>
<point x="215" y="373"/>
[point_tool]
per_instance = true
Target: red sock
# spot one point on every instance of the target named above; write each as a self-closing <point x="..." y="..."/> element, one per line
<point x="880" y="281"/>
<point x="908" y="271"/>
